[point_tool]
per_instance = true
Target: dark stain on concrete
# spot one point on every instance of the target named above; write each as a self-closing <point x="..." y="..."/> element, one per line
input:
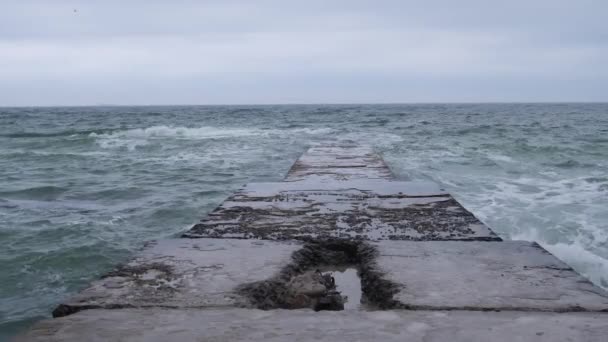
<point x="440" y="220"/>
<point x="274" y="293"/>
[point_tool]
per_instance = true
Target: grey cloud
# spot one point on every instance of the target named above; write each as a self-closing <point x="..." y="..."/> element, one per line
<point x="84" y="52"/>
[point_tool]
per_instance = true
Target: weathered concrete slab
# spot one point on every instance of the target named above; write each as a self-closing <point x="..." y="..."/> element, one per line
<point x="510" y="275"/>
<point x="361" y="209"/>
<point x="338" y="163"/>
<point x="303" y="325"/>
<point x="371" y="187"/>
<point x="431" y="275"/>
<point x="342" y="192"/>
<point x="185" y="273"/>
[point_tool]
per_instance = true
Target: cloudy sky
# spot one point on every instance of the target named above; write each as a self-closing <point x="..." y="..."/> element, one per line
<point x="313" y="51"/>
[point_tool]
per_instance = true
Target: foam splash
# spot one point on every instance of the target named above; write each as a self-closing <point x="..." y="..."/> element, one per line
<point x="521" y="194"/>
<point x="563" y="215"/>
<point x="566" y="216"/>
<point x="138" y="137"/>
<point x="576" y="254"/>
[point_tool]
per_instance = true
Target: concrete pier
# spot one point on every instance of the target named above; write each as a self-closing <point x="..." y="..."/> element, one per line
<point x="257" y="268"/>
<point x="342" y="192"/>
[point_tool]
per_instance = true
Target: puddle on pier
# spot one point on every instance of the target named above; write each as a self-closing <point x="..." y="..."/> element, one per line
<point x="349" y="285"/>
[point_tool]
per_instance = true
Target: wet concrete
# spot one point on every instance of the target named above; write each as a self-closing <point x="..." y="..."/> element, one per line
<point x="344" y="192"/>
<point x="450" y="275"/>
<point x="180" y="273"/>
<point x="339" y="163"/>
<point x="325" y="257"/>
<point x="508" y="275"/>
<point x="370" y="210"/>
<point x="206" y="273"/>
<point x="349" y="285"/>
<point x="191" y="325"/>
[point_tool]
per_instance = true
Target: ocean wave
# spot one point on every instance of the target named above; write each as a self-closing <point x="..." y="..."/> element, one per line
<point x="570" y="163"/>
<point x="40" y="193"/>
<point x="576" y="254"/>
<point x="564" y="215"/>
<point x="476" y="129"/>
<point x="381" y="141"/>
<point x="313" y="131"/>
<point x="53" y="134"/>
<point x="17" y="153"/>
<point x="133" y="138"/>
<point x="137" y="137"/>
<point x="562" y="207"/>
<point x="496" y="157"/>
<point x="203" y="132"/>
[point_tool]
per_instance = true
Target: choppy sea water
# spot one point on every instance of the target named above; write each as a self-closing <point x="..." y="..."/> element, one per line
<point x="83" y="188"/>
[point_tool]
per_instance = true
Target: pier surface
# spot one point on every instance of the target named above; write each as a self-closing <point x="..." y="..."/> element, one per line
<point x="342" y="192"/>
<point x="428" y="269"/>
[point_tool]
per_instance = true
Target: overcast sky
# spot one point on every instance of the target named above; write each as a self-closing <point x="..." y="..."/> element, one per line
<point x="309" y="51"/>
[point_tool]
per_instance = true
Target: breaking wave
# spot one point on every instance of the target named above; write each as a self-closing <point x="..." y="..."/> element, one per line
<point x="134" y="138"/>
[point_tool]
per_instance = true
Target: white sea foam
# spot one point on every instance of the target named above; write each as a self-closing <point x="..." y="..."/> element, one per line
<point x="577" y="254"/>
<point x="313" y="131"/>
<point x="133" y="138"/>
<point x="380" y="141"/>
<point x="566" y="216"/>
<point x="519" y="198"/>
<point x="500" y="158"/>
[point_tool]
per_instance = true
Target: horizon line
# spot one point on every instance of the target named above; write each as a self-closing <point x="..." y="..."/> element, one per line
<point x="302" y="104"/>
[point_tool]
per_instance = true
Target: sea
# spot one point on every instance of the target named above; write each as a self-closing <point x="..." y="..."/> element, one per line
<point x="83" y="188"/>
